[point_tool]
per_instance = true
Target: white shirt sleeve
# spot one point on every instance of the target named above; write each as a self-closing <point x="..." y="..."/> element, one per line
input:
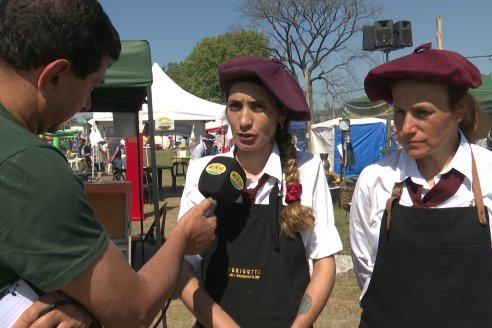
<point x="323" y="240"/>
<point x="192" y="196"/>
<point x="362" y="227"/>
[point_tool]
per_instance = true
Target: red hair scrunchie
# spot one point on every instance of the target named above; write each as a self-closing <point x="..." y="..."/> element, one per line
<point x="294" y="191"/>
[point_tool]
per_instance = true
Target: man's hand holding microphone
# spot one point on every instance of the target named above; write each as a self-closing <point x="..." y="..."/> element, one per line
<point x="222" y="181"/>
<point x="198" y="229"/>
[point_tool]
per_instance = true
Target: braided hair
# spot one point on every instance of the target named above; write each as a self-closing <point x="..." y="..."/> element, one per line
<point x="294" y="217"/>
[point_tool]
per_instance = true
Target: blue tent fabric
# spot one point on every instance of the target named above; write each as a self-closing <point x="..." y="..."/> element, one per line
<point x="367" y="142"/>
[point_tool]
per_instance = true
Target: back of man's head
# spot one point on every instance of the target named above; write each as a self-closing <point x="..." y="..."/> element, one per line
<point x="34" y="33"/>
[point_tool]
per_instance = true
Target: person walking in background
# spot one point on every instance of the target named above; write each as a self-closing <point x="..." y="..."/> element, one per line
<point x="53" y="53"/>
<point x="85" y="152"/>
<point x="205" y="148"/>
<point x="192" y="144"/>
<point x="272" y="264"/>
<point x="101" y="159"/>
<point x="122" y="146"/>
<point x="419" y="219"/>
<point x="219" y="142"/>
<point x="114" y="147"/>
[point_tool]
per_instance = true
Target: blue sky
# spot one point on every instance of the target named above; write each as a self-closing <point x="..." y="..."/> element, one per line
<point x="173" y="28"/>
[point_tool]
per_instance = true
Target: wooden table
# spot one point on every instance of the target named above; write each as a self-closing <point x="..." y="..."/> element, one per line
<point x="177" y="163"/>
<point x="160" y="168"/>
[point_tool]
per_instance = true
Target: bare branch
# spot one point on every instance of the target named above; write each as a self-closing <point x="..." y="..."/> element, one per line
<point x="312" y="35"/>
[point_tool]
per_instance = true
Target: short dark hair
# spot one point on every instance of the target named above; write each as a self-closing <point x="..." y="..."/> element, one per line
<point x="34" y="33"/>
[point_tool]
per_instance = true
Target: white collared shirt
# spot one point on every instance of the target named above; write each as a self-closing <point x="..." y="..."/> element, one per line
<point x="374" y="187"/>
<point x="321" y="241"/>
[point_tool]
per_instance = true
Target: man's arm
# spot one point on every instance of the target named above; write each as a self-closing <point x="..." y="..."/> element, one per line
<point x="119" y="297"/>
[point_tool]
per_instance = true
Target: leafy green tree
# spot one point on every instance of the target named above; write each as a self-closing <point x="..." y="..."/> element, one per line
<point x="197" y="74"/>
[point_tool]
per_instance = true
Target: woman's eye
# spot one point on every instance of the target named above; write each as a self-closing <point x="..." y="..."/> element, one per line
<point x="234" y="106"/>
<point x="257" y="107"/>
<point x="422" y="113"/>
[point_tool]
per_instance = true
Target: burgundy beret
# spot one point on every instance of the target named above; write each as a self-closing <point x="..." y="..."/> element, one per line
<point x="426" y="64"/>
<point x="274" y="76"/>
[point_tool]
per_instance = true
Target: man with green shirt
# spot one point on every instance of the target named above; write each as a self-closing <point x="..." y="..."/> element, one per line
<point x="53" y="53"/>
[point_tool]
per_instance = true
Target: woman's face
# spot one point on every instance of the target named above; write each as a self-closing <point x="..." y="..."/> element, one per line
<point x="253" y="114"/>
<point x="427" y="127"/>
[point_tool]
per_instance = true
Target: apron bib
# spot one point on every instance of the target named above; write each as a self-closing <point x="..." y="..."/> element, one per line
<point x="433" y="268"/>
<point x="256" y="274"/>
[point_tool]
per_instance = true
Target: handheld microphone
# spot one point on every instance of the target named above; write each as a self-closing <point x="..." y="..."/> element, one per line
<point x="223" y="180"/>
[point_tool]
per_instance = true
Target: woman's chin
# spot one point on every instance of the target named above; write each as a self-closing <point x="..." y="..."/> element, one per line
<point x="416" y="153"/>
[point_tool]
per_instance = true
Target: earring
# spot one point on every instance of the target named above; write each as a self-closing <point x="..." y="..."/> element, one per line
<point x="281" y="125"/>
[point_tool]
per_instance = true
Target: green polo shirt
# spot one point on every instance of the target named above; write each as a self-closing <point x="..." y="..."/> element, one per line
<point x="48" y="230"/>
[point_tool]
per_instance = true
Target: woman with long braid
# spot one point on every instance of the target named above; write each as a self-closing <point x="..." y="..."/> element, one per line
<point x="272" y="263"/>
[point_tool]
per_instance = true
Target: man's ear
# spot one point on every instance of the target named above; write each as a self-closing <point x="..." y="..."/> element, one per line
<point x="51" y="76"/>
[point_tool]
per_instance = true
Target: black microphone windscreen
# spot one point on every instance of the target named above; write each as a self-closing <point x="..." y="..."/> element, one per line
<point x="223" y="179"/>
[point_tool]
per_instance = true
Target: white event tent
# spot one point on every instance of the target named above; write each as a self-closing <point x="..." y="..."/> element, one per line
<point x="171" y="102"/>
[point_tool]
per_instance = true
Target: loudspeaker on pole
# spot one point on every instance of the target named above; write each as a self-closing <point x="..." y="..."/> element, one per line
<point x="402" y="34"/>
<point x="384" y="34"/>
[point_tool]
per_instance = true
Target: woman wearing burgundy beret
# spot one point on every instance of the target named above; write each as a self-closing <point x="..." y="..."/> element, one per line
<point x="272" y="263"/>
<point x="419" y="219"/>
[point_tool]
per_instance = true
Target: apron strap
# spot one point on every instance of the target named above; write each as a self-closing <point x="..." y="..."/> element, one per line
<point x="477" y="193"/>
<point x="395" y="195"/>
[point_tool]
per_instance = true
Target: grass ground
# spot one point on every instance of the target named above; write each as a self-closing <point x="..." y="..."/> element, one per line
<point x="342" y="310"/>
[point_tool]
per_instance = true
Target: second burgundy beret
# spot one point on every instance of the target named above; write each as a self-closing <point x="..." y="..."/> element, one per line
<point x="426" y="64"/>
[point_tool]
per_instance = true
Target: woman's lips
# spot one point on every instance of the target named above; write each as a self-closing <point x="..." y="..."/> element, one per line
<point x="246" y="138"/>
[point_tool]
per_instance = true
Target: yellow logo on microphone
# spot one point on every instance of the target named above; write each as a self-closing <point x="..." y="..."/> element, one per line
<point x="236" y="180"/>
<point x="215" y="169"/>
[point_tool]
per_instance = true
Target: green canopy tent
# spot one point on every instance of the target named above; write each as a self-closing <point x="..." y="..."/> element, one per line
<point x="126" y="81"/>
<point x="127" y="85"/>
<point x="483" y="94"/>
<point x="363" y="107"/>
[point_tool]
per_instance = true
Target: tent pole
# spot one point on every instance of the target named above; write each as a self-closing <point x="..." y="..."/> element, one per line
<point x="139" y="175"/>
<point x="153" y="167"/>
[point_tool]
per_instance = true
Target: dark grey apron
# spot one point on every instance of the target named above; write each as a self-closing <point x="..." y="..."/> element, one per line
<point x="256" y="274"/>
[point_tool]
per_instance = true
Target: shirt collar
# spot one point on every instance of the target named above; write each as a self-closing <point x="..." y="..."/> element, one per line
<point x="273" y="166"/>
<point x="461" y="162"/>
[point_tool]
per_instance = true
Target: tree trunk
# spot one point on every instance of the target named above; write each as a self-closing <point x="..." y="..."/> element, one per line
<point x="309" y="98"/>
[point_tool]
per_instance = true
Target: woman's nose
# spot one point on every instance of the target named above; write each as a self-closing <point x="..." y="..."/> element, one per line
<point x="245" y="119"/>
<point x="408" y="125"/>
